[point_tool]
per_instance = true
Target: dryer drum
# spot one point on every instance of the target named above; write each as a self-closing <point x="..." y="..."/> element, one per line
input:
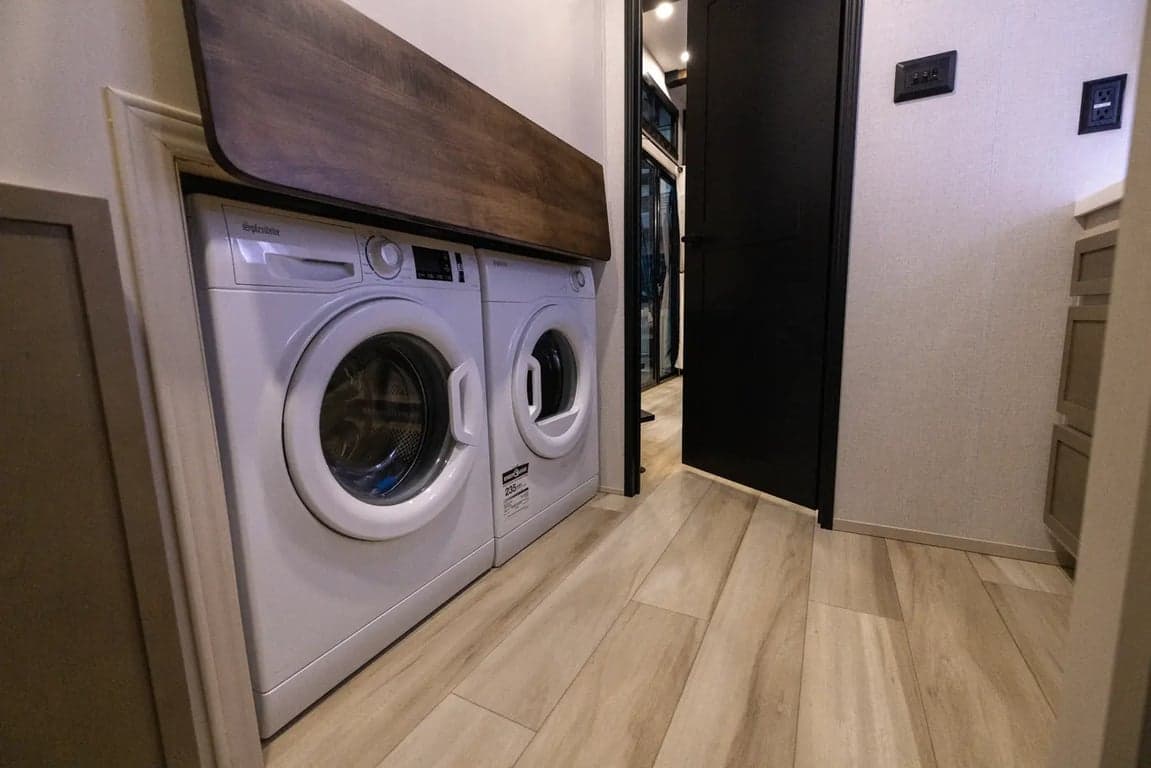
<point x="557" y="373"/>
<point x="384" y="426"/>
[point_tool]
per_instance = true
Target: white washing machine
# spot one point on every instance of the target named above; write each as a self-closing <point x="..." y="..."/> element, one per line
<point x="350" y="405"/>
<point x="540" y="337"/>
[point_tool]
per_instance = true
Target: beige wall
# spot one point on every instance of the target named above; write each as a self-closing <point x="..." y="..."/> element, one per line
<point x="959" y="262"/>
<point x="652" y="69"/>
<point x="542" y="59"/>
<point x="56" y="60"/>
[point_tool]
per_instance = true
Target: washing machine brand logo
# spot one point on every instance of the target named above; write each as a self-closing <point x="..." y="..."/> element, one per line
<point x="515" y="473"/>
<point x="261" y="229"/>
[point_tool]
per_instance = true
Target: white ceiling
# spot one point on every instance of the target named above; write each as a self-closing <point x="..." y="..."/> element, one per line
<point x="666" y="39"/>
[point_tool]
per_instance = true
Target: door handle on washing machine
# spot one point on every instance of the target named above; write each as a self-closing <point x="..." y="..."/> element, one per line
<point x="465" y="375"/>
<point x="535" y="387"/>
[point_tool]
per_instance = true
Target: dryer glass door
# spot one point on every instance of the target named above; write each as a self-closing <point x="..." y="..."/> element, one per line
<point x="384" y="418"/>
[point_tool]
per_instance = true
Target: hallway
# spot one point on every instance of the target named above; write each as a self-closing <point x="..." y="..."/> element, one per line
<point x="699" y="625"/>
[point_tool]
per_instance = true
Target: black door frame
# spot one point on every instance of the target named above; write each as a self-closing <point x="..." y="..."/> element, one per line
<point x="633" y="63"/>
<point x="847" y="104"/>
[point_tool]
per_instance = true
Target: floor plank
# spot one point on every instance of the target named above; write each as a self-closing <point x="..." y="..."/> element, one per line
<point x="1022" y="574"/>
<point x="983" y="705"/>
<point x="1038" y="622"/>
<point x="458" y="734"/>
<point x="853" y="571"/>
<point x="617" y="710"/>
<point x="692" y="570"/>
<point x="526" y="674"/>
<point x="365" y="718"/>
<point x="660" y="443"/>
<point x="661" y="440"/>
<point x="741" y="701"/>
<point x="859" y="704"/>
<point x="614" y="501"/>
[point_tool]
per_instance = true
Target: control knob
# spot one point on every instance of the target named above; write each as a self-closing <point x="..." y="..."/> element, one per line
<point x="385" y="257"/>
<point x="578" y="279"/>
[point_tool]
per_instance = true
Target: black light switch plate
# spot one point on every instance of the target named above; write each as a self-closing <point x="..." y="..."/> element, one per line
<point x="1102" y="106"/>
<point x="929" y="76"/>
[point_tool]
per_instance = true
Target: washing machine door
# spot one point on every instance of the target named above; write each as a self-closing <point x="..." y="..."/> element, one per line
<point x="552" y="377"/>
<point x="381" y="419"/>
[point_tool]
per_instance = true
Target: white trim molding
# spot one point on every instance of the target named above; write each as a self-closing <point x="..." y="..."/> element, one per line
<point x="151" y="141"/>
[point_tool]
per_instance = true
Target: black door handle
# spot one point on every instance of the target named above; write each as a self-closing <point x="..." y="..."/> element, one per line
<point x="693" y="239"/>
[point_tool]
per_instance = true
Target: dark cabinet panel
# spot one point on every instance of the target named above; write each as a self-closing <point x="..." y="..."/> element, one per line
<point x="1082" y="363"/>
<point x="1091" y="270"/>
<point x="1094" y="262"/>
<point x="1067" y="485"/>
<point x="92" y="670"/>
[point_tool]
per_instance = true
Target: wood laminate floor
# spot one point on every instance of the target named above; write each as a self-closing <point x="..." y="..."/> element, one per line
<point x="701" y="625"/>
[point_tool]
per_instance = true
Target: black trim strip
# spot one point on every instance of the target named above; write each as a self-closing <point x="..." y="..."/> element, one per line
<point x="633" y="37"/>
<point x="846" y="109"/>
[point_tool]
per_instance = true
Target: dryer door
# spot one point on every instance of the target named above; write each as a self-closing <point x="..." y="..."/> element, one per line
<point x="381" y="419"/>
<point x="552" y="377"/>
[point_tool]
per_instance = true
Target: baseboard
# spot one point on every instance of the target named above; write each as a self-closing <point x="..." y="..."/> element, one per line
<point x="610" y="489"/>
<point x="1048" y="556"/>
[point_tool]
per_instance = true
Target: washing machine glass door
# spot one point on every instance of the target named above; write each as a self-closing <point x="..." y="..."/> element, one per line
<point x="380" y="419"/>
<point x="551" y="381"/>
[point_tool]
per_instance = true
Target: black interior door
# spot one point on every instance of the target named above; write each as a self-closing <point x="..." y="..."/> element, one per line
<point x="764" y="79"/>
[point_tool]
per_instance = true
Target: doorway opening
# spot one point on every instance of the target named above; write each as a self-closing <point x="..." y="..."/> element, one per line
<point x="660" y="98"/>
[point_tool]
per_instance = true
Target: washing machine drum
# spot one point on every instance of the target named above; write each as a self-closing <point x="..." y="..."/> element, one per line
<point x="384" y="418"/>
<point x="552" y="378"/>
<point x="380" y="418"/>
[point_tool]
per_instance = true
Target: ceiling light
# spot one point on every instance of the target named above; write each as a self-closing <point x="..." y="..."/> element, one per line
<point x="685" y="57"/>
<point x="663" y="11"/>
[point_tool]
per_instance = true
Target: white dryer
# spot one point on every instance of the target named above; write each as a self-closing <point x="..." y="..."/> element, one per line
<point x="349" y="400"/>
<point x="540" y="338"/>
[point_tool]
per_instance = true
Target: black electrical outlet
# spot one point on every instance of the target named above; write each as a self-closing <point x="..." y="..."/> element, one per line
<point x="929" y="76"/>
<point x="1102" y="106"/>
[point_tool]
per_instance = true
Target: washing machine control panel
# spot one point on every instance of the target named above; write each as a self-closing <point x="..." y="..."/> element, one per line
<point x="403" y="258"/>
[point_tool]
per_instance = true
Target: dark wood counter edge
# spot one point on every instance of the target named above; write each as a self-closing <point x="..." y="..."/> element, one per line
<point x="396" y="219"/>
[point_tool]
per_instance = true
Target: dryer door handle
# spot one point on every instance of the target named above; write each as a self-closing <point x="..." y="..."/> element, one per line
<point x="461" y="382"/>
<point x="535" y="387"/>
